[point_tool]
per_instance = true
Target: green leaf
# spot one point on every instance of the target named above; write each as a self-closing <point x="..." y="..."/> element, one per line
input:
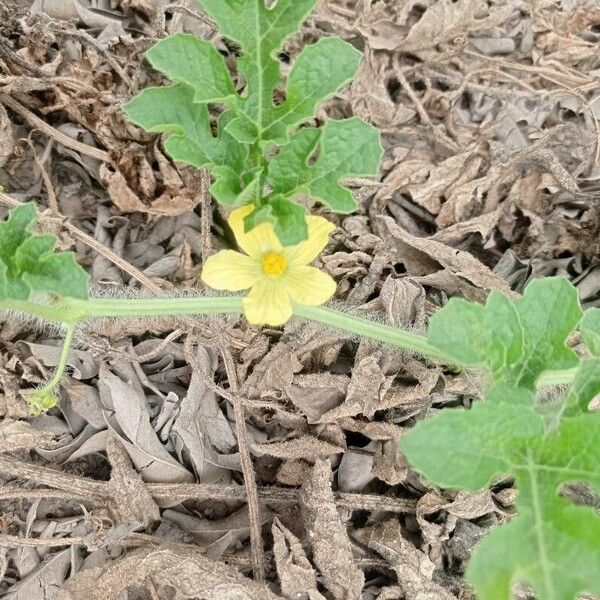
<point x="319" y="71"/>
<point x="172" y="110"/>
<point x="253" y="126"/>
<point x="466" y="449"/>
<point x="585" y="387"/>
<point x="288" y="219"/>
<point x="260" y="31"/>
<point x="15" y="229"/>
<point x="551" y="544"/>
<point x="60" y="274"/>
<point x="185" y="58"/>
<point x="316" y="160"/>
<point x="562" y="567"/>
<point x="590" y="330"/>
<point x="516" y="340"/>
<point x="29" y="265"/>
<point x="459" y="330"/>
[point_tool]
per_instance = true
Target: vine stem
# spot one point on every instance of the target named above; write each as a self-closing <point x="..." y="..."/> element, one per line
<point x="70" y="312"/>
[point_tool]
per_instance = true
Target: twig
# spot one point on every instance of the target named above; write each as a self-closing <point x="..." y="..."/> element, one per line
<point x="84" y="489"/>
<point x="256" y="541"/>
<point x="423" y="113"/>
<point x="52" y="200"/>
<point x="14" y="541"/>
<point x="60" y="137"/>
<point x="206" y="216"/>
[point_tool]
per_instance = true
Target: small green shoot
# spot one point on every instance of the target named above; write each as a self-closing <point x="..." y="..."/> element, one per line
<point x="29" y="266"/>
<point x="260" y="151"/>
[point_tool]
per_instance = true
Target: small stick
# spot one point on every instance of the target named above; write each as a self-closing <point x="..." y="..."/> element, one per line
<point x="60" y="137"/>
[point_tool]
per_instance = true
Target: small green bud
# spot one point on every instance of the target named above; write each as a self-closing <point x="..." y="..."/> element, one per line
<point x="41" y="401"/>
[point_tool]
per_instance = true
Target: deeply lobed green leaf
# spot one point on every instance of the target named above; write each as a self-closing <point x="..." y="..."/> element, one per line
<point x="516" y="340"/>
<point x="29" y="265"/>
<point x="238" y="147"/>
<point x="551" y="544"/>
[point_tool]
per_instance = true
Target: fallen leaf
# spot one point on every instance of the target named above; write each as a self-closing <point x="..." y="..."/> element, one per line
<point x="20" y="435"/>
<point x="332" y="550"/>
<point x="297" y="576"/>
<point x="186" y="573"/>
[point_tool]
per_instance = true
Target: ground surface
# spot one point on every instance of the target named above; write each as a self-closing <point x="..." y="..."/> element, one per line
<point x="134" y="488"/>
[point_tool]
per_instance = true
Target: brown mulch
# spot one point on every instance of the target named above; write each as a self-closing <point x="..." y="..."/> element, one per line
<point x="210" y="459"/>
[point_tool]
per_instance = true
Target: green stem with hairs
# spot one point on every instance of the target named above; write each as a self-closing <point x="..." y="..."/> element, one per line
<point x="71" y="312"/>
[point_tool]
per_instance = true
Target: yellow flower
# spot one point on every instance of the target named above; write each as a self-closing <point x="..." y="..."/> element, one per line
<point x="276" y="275"/>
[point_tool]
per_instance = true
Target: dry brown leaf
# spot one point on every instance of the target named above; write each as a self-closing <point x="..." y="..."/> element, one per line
<point x="332" y="550"/>
<point x="7" y="141"/>
<point x="306" y="447"/>
<point x="274" y="373"/>
<point x="297" y="576"/>
<point x="366" y="390"/>
<point x="131" y="501"/>
<point x="421" y="255"/>
<point x="446" y="20"/>
<point x="413" y="567"/>
<point x="132" y="418"/>
<point x="370" y="97"/>
<point x="316" y="393"/>
<point x="184" y="572"/>
<point x="43" y="581"/>
<point x="208" y="531"/>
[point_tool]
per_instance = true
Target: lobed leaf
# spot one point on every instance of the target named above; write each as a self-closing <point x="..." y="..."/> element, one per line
<point x="316" y="160"/>
<point x="28" y="263"/>
<point x="188" y="59"/>
<point x="551" y="544"/>
<point x="237" y="149"/>
<point x="590" y="330"/>
<point x="516" y="340"/>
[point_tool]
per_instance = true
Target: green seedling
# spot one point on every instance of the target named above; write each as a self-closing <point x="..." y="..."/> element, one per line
<point x="263" y="148"/>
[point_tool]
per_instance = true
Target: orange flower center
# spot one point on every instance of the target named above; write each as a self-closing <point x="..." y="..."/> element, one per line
<point x="274" y="263"/>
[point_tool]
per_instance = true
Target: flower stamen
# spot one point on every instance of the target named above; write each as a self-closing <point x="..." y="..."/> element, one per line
<point x="274" y="263"/>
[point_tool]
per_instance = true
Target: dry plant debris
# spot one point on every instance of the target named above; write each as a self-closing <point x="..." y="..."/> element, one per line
<point x="134" y="488"/>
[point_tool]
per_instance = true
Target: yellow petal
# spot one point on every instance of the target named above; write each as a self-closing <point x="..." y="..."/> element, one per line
<point x="305" y="252"/>
<point x="267" y="304"/>
<point x="260" y="240"/>
<point x="230" y="270"/>
<point x="309" y="286"/>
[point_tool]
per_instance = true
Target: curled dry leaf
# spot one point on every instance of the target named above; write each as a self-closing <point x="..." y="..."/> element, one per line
<point x="421" y="254"/>
<point x="7" y="141"/>
<point x="366" y="390"/>
<point x="446" y="20"/>
<point x="43" y="581"/>
<point x="131" y="501"/>
<point x="332" y="550"/>
<point x="132" y="419"/>
<point x="297" y="576"/>
<point x="184" y="572"/>
<point x="412" y="566"/>
<point x="306" y="447"/>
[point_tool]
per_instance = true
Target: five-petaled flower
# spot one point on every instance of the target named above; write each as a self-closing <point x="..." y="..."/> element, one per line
<point x="276" y="275"/>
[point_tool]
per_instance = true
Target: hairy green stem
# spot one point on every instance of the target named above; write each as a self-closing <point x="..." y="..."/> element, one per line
<point x="71" y="312"/>
<point x="563" y="377"/>
<point x="369" y="329"/>
<point x="62" y="361"/>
